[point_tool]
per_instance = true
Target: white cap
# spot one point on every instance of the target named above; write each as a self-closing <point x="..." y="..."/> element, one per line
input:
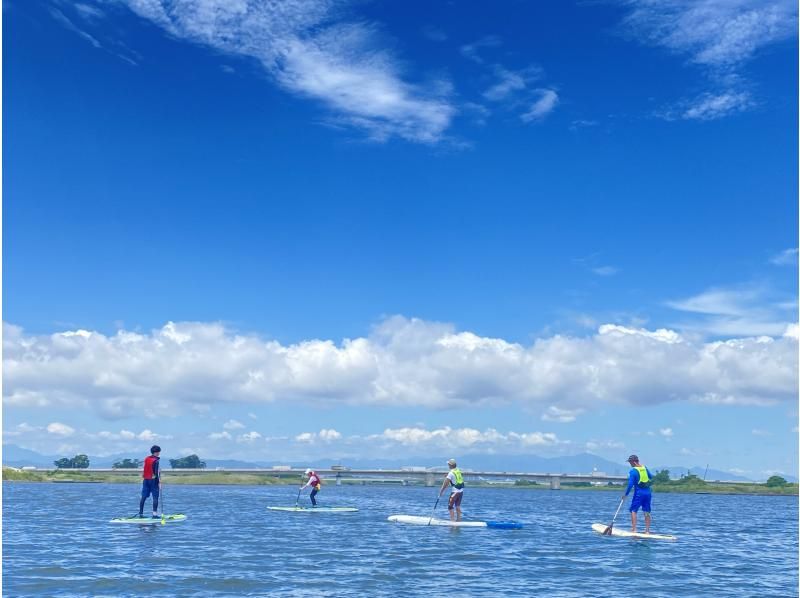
<point x="451" y="461"/>
<point x="308" y="471"/>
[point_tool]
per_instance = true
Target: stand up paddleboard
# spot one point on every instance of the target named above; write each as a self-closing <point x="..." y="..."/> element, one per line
<point x="417" y="520"/>
<point x="621" y="533"/>
<point x="149" y="520"/>
<point x="314" y="509"/>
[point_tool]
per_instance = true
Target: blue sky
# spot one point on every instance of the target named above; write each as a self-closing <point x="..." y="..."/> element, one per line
<point x="359" y="228"/>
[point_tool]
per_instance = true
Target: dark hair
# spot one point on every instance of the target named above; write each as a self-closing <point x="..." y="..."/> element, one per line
<point x="155" y="449"/>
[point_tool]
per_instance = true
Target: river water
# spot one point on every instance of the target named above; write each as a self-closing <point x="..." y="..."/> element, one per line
<point x="57" y="542"/>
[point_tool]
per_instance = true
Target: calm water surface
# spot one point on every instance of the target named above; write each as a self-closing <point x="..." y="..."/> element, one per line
<point x="57" y="542"/>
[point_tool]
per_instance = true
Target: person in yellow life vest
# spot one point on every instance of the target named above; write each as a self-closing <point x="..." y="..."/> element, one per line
<point x="455" y="480"/>
<point x="639" y="479"/>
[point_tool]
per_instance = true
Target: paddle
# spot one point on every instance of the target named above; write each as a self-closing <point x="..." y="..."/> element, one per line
<point x="161" y="492"/>
<point x="607" y="531"/>
<point x="297" y="502"/>
<point x="434" y="508"/>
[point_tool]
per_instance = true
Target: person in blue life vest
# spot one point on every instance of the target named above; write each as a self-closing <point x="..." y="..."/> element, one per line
<point x="639" y="479"/>
<point x="455" y="480"/>
<point x="151" y="480"/>
<point x="315" y="482"/>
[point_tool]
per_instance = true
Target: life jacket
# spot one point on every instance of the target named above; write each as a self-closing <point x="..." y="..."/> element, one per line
<point x="459" y="483"/>
<point x="644" y="479"/>
<point x="318" y="483"/>
<point x="147" y="472"/>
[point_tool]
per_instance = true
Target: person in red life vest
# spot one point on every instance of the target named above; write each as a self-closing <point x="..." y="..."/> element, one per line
<point x="315" y="482"/>
<point x="151" y="481"/>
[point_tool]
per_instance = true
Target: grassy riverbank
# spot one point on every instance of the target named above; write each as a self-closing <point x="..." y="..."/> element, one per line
<point x="684" y="486"/>
<point x="134" y="477"/>
<point x="680" y="487"/>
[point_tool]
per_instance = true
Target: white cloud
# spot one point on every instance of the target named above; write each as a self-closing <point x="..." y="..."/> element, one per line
<point x="224" y="435"/>
<point x="68" y="24"/>
<point x="746" y="311"/>
<point x="758" y="432"/>
<point x="471" y="51"/>
<point x="596" y="445"/>
<point x="666" y="432"/>
<point x="309" y="51"/>
<point x="546" y="103"/>
<point x="22" y="429"/>
<point x="248" y="438"/>
<point x="60" y="429"/>
<point x="329" y="434"/>
<point x="712" y="32"/>
<point x="787" y="257"/>
<point x="147" y="435"/>
<point x="88" y="12"/>
<point x="232" y="424"/>
<point x="404" y="362"/>
<point x="719" y="36"/>
<point x="325" y="435"/>
<point x="605" y="270"/>
<point x="711" y="106"/>
<point x="464" y="438"/>
<point x="557" y="414"/>
<point x="509" y="82"/>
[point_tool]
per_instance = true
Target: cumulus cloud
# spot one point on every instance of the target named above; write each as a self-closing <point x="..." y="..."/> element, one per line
<point x="404" y="362"/>
<point x="666" y="432"/>
<point x="464" y="438"/>
<point x="224" y="435"/>
<point x="310" y="51"/>
<point x="60" y="429"/>
<point x="557" y="414"/>
<point x="232" y="424"/>
<point x="248" y="438"/>
<point x="720" y="37"/>
<point x="325" y="435"/>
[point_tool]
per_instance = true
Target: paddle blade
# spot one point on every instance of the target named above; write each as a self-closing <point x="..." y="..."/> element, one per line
<point x="607" y="531"/>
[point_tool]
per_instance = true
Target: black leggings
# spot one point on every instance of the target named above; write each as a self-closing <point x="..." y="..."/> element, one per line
<point x="313" y="494"/>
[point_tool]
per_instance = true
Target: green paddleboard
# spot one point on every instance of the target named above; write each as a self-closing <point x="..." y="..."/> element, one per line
<point x="149" y="520"/>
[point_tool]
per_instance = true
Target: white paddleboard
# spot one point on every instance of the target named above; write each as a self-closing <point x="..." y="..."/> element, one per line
<point x="148" y="520"/>
<point x="314" y="509"/>
<point x="417" y="520"/>
<point x="623" y="533"/>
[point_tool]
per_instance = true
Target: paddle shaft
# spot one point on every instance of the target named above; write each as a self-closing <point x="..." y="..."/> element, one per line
<point x="608" y="529"/>
<point x="434" y="508"/>
<point x="297" y="502"/>
<point x="161" y="493"/>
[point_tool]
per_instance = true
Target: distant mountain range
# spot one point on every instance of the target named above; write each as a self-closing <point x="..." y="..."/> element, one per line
<point x="16" y="456"/>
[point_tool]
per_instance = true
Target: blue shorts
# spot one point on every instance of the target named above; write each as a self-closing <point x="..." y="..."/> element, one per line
<point x="150" y="487"/>
<point x="641" y="499"/>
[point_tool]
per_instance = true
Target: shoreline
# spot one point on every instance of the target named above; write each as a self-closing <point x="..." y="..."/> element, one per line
<point x="246" y="479"/>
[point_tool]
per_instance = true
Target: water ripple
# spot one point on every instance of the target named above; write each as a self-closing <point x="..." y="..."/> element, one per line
<point x="57" y="542"/>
